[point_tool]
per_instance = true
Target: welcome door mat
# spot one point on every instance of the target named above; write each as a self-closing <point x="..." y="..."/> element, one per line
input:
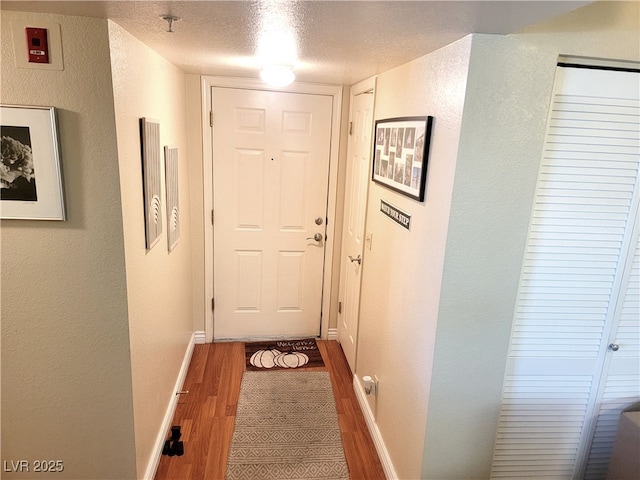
<point x="286" y="428"/>
<point x="282" y="354"/>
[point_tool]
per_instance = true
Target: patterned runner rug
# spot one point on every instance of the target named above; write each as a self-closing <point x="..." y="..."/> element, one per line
<point x="281" y="354"/>
<point x="286" y="428"/>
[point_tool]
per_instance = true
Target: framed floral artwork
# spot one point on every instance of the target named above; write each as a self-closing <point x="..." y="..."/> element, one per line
<point x="31" y="185"/>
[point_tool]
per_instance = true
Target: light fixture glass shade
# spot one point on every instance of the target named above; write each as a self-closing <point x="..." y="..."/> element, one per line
<point x="277" y="75"/>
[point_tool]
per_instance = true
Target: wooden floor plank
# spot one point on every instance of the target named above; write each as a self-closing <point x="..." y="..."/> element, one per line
<point x="207" y="414"/>
<point x="195" y="374"/>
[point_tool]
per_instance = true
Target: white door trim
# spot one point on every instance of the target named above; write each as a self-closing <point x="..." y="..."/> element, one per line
<point x="363" y="87"/>
<point x="335" y="91"/>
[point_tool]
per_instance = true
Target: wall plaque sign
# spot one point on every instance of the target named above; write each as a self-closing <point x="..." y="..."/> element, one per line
<point x="401" y="218"/>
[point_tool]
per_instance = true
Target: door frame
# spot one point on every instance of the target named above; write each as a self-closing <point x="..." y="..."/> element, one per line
<point x="360" y="88"/>
<point x="335" y="92"/>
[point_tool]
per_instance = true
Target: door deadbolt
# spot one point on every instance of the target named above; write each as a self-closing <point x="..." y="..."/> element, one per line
<point x="319" y="221"/>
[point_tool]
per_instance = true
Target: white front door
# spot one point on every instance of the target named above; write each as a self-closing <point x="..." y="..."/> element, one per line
<point x="271" y="155"/>
<point x="353" y="236"/>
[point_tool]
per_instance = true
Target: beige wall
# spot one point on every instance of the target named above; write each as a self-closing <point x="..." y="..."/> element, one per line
<point x="66" y="368"/>
<point x="509" y="91"/>
<point x="402" y="272"/>
<point x="159" y="283"/>
<point x="494" y="182"/>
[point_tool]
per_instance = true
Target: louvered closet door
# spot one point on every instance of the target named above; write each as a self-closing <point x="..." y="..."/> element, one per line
<point x="621" y="385"/>
<point x="578" y="291"/>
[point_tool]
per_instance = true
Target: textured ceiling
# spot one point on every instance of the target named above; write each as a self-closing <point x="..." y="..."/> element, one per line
<point x="339" y="42"/>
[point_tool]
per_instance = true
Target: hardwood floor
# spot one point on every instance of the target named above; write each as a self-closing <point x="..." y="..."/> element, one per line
<point x="207" y="414"/>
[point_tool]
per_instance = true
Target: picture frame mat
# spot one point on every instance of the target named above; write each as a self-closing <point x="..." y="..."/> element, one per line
<point x="42" y="125"/>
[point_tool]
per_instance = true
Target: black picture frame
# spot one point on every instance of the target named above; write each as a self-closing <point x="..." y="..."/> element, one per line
<point x="401" y="154"/>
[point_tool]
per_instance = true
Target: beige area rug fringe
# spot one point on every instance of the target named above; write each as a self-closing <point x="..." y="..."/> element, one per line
<point x="286" y="428"/>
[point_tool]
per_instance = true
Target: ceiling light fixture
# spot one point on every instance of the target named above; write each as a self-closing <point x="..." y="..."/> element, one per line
<point x="277" y="75"/>
<point x="276" y="52"/>
<point x="277" y="56"/>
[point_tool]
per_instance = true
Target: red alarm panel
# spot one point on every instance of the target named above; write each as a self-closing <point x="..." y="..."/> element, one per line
<point x="37" y="45"/>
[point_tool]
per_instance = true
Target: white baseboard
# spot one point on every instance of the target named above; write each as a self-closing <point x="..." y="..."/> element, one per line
<point x="200" y="337"/>
<point x="152" y="466"/>
<point x="332" y="334"/>
<point x="381" y="448"/>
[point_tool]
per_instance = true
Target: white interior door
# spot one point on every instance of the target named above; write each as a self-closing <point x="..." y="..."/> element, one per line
<point x="271" y="154"/>
<point x="353" y="237"/>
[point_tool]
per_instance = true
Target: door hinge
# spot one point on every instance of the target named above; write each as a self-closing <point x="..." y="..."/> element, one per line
<point x="213" y="304"/>
<point x="350" y="128"/>
<point x="339" y="307"/>
<point x="211" y="118"/>
<point x="211" y="216"/>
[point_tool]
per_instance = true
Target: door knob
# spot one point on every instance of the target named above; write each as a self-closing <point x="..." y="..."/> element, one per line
<point x="358" y="259"/>
<point x="317" y="237"/>
<point x="614" y="347"/>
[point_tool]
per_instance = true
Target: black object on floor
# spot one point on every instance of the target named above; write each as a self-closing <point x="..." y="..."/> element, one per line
<point x="173" y="446"/>
<point x="167" y="447"/>
<point x="178" y="448"/>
